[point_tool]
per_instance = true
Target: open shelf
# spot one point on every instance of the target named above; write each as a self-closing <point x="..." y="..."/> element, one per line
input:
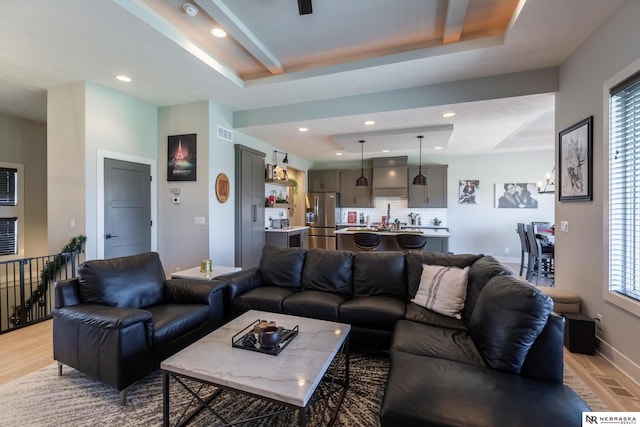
<point x="278" y="182"/>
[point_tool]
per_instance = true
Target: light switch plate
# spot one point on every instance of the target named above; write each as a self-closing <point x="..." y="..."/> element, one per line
<point x="198" y="220"/>
<point x="564" y="226"/>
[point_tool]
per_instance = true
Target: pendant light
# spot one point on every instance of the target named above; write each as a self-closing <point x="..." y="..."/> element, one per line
<point x="420" y="179"/>
<point x="362" y="181"/>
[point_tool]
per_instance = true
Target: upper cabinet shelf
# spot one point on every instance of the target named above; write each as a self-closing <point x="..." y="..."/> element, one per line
<point x="278" y="182"/>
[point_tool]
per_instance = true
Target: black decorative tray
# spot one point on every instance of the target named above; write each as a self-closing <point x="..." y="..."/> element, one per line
<point x="248" y="341"/>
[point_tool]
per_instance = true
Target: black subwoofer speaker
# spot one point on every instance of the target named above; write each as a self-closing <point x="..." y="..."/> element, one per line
<point x="579" y="333"/>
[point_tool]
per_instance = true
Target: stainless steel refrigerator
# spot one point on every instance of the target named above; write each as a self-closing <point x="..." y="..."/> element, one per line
<point x="322" y="215"/>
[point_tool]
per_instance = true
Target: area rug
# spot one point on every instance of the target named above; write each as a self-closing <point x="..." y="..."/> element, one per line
<point x="43" y="398"/>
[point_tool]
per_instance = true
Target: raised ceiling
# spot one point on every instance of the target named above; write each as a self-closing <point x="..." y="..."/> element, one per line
<point x="324" y="64"/>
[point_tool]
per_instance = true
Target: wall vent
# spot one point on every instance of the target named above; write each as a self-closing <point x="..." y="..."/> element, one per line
<point x="224" y="133"/>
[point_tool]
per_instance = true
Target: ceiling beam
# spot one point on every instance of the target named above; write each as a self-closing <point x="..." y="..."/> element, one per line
<point x="221" y="13"/>
<point x="456" y="12"/>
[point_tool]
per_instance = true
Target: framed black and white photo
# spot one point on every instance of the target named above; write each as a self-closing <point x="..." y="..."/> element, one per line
<point x="469" y="189"/>
<point x="181" y="157"/>
<point x="519" y="195"/>
<point x="575" y="157"/>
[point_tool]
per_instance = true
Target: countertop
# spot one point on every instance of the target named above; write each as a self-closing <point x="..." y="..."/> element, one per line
<point x="287" y="229"/>
<point x="427" y="233"/>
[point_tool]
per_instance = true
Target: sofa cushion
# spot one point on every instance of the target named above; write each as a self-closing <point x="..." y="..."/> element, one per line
<point x="434" y="341"/>
<point x="282" y="266"/>
<point x="442" y="289"/>
<point x="265" y="298"/>
<point x="171" y="321"/>
<point x="329" y="271"/>
<point x="135" y="281"/>
<point x="509" y="316"/>
<point x="315" y="304"/>
<point x="379" y="273"/>
<point x="480" y="273"/>
<point x="375" y="312"/>
<point x="419" y="314"/>
<point x="427" y="391"/>
<point x="415" y="260"/>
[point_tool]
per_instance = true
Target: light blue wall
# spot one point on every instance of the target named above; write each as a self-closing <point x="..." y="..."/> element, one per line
<point x="582" y="253"/>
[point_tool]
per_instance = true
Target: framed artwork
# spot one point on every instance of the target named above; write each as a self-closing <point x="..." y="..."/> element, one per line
<point x="181" y="158"/>
<point x="575" y="160"/>
<point x="518" y="195"/>
<point x="222" y="187"/>
<point x="468" y="191"/>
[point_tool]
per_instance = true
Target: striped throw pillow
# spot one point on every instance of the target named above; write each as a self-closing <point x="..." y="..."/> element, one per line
<point x="442" y="289"/>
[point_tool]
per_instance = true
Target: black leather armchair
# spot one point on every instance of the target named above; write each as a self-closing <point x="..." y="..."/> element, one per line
<point x="120" y="318"/>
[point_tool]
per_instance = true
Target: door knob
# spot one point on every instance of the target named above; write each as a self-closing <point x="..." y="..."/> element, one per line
<point x="109" y="236"/>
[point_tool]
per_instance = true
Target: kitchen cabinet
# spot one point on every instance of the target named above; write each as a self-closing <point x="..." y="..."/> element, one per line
<point x="249" y="209"/>
<point x="437" y="244"/>
<point x="352" y="196"/>
<point x="432" y="195"/>
<point x="295" y="237"/>
<point x="324" y="181"/>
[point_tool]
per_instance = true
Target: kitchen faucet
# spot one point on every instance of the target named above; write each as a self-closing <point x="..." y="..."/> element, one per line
<point x="388" y="214"/>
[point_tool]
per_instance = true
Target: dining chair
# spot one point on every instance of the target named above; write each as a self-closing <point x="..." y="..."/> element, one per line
<point x="542" y="258"/>
<point x="524" y="249"/>
<point x="366" y="241"/>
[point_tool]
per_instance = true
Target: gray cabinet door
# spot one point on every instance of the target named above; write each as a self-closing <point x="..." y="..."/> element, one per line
<point x="432" y="195"/>
<point x="324" y="181"/>
<point x="437" y="244"/>
<point x="352" y="196"/>
<point x="250" y="236"/>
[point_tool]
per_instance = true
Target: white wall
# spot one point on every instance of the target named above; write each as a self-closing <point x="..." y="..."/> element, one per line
<point x="182" y="244"/>
<point x="24" y="142"/>
<point x="482" y="228"/>
<point x="581" y="254"/>
<point x="85" y="121"/>
<point x="66" y="165"/>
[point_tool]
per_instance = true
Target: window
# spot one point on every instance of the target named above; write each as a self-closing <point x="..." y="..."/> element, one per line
<point x="8" y="236"/>
<point x="8" y="186"/>
<point x="624" y="179"/>
<point x="11" y="211"/>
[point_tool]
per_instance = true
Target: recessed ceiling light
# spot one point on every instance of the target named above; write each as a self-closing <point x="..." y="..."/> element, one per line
<point x="449" y="114"/>
<point x="219" y="33"/>
<point x="338" y="154"/>
<point x="123" y="78"/>
<point x="370" y="122"/>
<point x="385" y="151"/>
<point x="302" y="129"/>
<point x="437" y="148"/>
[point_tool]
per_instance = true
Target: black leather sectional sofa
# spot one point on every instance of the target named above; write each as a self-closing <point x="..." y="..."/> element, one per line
<point x="120" y="318"/>
<point x="499" y="364"/>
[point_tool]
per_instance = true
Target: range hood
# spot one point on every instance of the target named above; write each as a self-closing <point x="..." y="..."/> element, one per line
<point x="390" y="177"/>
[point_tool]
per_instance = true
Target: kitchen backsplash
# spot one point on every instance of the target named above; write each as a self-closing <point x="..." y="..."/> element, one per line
<point x="399" y="210"/>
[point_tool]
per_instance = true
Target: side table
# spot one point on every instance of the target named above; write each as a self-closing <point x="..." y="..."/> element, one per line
<point x="194" y="273"/>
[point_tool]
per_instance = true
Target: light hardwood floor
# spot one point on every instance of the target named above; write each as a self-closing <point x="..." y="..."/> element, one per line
<point x="30" y="348"/>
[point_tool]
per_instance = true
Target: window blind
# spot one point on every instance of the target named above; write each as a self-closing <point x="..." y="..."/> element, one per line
<point x="624" y="180"/>
<point x="8" y="236"/>
<point x="8" y="186"/>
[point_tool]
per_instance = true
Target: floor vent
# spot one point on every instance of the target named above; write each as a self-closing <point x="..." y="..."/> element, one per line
<point x="616" y="387"/>
<point x="224" y="133"/>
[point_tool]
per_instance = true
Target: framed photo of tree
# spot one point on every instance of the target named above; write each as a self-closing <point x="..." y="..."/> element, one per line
<point x="575" y="157"/>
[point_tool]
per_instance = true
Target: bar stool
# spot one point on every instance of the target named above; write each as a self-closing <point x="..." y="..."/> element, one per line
<point x="411" y="242"/>
<point x="366" y="241"/>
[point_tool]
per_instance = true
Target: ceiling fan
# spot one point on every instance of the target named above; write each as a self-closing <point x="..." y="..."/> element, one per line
<point x="304" y="7"/>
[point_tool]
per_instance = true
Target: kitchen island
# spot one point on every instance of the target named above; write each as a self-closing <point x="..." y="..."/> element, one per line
<point x="295" y="236"/>
<point x="437" y="240"/>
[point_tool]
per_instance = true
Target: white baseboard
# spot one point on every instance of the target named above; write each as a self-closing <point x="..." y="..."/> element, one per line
<point x="625" y="365"/>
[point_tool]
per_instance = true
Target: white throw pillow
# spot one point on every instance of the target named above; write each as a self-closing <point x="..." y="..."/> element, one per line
<point x="442" y="289"/>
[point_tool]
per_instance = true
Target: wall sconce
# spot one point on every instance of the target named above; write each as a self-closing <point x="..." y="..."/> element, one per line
<point x="286" y="157"/>
<point x="549" y="185"/>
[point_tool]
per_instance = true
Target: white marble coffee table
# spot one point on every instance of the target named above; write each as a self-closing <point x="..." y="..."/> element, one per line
<point x="290" y="378"/>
